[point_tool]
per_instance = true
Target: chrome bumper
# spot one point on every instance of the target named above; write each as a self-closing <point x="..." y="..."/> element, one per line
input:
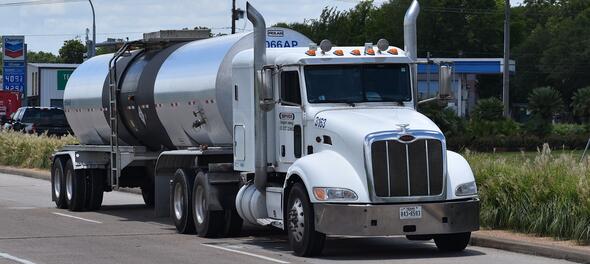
<point x="384" y="220"/>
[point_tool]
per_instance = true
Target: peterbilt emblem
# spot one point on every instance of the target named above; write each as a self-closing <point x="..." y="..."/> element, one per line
<point x="403" y="128"/>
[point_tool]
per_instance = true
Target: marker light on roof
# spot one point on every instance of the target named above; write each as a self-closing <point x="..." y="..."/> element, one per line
<point x="339" y="53"/>
<point x="355" y="52"/>
<point x="310" y="53"/>
<point x="312" y="49"/>
<point x="369" y="49"/>
<point x="392" y="51"/>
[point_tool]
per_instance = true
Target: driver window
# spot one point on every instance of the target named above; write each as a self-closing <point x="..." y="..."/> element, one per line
<point x="290" y="91"/>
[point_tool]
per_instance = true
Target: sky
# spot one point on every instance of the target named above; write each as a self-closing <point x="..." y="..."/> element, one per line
<point x="46" y="26"/>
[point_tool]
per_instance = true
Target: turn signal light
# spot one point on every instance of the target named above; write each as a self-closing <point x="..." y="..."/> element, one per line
<point x="392" y="51"/>
<point x="339" y="53"/>
<point x="310" y="53"/>
<point x="356" y="52"/>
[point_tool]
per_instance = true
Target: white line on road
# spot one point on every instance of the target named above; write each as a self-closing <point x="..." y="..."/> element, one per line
<point x="13" y="258"/>
<point x="79" y="218"/>
<point x="246" y="253"/>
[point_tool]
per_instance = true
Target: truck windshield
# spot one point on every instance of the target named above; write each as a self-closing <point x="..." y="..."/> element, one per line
<point x="358" y="83"/>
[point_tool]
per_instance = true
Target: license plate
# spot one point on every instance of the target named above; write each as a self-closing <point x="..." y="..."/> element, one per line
<point x="411" y="212"/>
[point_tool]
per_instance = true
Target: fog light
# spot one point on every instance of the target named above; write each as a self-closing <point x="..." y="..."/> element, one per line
<point x="466" y="189"/>
<point x="334" y="194"/>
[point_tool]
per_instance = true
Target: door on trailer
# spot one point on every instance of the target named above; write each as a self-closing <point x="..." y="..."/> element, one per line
<point x="289" y="118"/>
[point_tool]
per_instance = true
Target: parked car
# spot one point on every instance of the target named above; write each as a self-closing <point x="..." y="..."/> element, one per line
<point x="40" y="120"/>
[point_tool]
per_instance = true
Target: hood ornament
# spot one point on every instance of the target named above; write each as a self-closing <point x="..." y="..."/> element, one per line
<point x="403" y="128"/>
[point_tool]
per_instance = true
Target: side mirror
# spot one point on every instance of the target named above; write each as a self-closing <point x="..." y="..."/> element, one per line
<point x="445" y="83"/>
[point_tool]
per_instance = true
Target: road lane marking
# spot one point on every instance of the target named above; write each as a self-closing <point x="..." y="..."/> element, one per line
<point x="79" y="218"/>
<point x="13" y="258"/>
<point x="246" y="253"/>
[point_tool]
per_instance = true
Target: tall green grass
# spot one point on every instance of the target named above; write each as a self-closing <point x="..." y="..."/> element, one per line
<point x="545" y="194"/>
<point x="30" y="150"/>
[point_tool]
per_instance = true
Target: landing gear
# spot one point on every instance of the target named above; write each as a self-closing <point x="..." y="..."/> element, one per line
<point x="304" y="239"/>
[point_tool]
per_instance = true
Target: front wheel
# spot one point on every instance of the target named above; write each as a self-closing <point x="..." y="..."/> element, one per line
<point x="304" y="239"/>
<point x="452" y="242"/>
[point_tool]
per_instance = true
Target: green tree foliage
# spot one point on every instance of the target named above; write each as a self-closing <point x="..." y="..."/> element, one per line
<point x="545" y="102"/>
<point x="489" y="109"/>
<point x="41" y="57"/>
<point x="581" y="103"/>
<point x="72" y="51"/>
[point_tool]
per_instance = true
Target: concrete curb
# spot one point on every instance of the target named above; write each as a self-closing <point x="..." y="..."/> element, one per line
<point x="46" y="175"/>
<point x="480" y="240"/>
<point x="537" y="249"/>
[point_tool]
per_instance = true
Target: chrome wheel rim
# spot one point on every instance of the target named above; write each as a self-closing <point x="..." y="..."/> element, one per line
<point x="200" y="204"/>
<point x="69" y="184"/>
<point x="178" y="201"/>
<point x="57" y="183"/>
<point x="297" y="220"/>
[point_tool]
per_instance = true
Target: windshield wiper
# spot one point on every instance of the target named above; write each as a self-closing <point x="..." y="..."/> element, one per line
<point x="348" y="102"/>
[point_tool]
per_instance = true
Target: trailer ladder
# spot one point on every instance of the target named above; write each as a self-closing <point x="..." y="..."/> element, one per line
<point x="114" y="91"/>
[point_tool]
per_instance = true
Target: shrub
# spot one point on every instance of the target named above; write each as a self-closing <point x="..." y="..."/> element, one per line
<point x="581" y="103"/>
<point x="445" y="118"/>
<point x="569" y="129"/>
<point x="490" y="109"/>
<point x="545" y="194"/>
<point x="29" y="151"/>
<point x="545" y="102"/>
<point x="483" y="128"/>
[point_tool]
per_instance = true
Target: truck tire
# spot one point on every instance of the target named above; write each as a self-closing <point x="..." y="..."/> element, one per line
<point x="304" y="239"/>
<point x="452" y="242"/>
<point x="181" y="207"/>
<point x="75" y="188"/>
<point x="95" y="189"/>
<point x="58" y="185"/>
<point x="233" y="223"/>
<point x="207" y="222"/>
<point x="147" y="192"/>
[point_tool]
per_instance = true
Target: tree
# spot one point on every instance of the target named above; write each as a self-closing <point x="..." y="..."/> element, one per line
<point x="489" y="109"/>
<point x="72" y="51"/>
<point x="581" y="103"/>
<point x="545" y="102"/>
<point x="41" y="57"/>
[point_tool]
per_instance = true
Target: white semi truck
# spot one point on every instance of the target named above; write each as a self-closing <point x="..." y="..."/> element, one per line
<point x="267" y="128"/>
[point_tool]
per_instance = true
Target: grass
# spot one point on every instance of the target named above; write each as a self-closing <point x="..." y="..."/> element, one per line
<point x="30" y="151"/>
<point x="542" y="193"/>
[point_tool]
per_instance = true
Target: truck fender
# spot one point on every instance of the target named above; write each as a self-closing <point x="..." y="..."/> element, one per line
<point x="459" y="172"/>
<point x="327" y="169"/>
<point x="84" y="159"/>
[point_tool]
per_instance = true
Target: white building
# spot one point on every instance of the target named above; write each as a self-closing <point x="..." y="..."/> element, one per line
<point x="46" y="83"/>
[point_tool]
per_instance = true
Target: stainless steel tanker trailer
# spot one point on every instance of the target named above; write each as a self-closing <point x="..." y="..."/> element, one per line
<point x="270" y="129"/>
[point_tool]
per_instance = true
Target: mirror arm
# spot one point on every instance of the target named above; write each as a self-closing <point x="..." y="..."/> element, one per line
<point x="428" y="100"/>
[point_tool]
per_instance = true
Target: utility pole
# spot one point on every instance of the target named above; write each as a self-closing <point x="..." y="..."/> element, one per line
<point x="93" y="45"/>
<point x="233" y="17"/>
<point x="506" y="75"/>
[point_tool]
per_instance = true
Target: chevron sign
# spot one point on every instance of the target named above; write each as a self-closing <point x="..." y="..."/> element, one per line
<point x="14" y="48"/>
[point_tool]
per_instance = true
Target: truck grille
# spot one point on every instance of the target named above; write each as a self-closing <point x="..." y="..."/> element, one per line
<point x="407" y="169"/>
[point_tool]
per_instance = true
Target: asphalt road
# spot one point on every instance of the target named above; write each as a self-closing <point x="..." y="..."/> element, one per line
<point x="33" y="231"/>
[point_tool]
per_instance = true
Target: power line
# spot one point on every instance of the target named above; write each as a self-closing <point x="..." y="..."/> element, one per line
<point x="38" y="2"/>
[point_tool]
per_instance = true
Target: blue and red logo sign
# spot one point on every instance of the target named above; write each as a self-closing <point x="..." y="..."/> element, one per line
<point x="14" y="48"/>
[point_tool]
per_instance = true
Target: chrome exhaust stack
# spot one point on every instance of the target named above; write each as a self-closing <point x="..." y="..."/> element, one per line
<point x="411" y="43"/>
<point x="260" y="173"/>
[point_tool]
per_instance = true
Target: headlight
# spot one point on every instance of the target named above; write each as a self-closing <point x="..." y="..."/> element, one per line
<point x="334" y="194"/>
<point x="466" y="189"/>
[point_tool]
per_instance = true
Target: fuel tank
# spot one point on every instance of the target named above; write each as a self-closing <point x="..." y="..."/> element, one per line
<point x="171" y="98"/>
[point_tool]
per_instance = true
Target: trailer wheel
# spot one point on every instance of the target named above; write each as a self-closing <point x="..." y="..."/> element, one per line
<point x="58" y="185"/>
<point x="182" y="188"/>
<point x="452" y="242"/>
<point x="304" y="239"/>
<point x="147" y="192"/>
<point x="207" y="222"/>
<point x="75" y="188"/>
<point x="95" y="189"/>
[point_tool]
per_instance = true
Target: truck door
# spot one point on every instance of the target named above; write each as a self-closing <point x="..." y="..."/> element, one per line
<point x="289" y="118"/>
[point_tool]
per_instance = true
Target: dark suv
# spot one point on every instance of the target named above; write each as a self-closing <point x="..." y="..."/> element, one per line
<point x="40" y="120"/>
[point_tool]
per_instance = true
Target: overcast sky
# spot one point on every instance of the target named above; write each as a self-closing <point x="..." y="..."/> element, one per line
<point x="47" y="26"/>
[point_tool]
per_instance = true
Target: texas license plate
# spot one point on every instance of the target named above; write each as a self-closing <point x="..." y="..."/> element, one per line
<point x="410" y="212"/>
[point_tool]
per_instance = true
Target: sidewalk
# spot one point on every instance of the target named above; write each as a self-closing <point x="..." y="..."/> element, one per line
<point x="499" y="239"/>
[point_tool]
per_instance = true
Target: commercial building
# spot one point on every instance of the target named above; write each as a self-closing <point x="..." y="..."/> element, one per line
<point x="46" y="83"/>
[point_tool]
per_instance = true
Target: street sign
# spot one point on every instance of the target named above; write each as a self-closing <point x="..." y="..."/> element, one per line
<point x="14" y="66"/>
<point x="62" y="78"/>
